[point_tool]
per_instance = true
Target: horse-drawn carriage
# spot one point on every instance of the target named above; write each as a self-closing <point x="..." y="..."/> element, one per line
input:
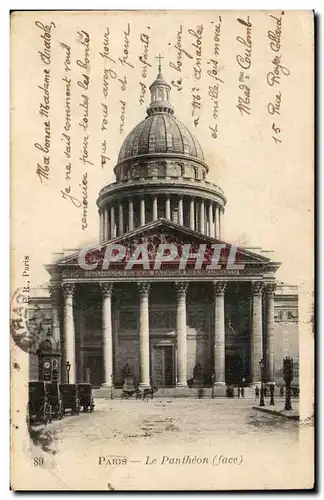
<point x="70" y="398"/>
<point x="85" y="397"/>
<point x="131" y="388"/>
<point x="39" y="407"/>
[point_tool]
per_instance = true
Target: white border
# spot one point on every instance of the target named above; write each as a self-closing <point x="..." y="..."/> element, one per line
<point x="4" y="198"/>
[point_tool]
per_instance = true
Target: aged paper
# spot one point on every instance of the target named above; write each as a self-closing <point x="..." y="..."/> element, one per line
<point x="137" y="137"/>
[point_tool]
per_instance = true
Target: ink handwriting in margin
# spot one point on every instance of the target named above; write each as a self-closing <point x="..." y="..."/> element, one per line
<point x="278" y="70"/>
<point x="197" y="44"/>
<point x="215" y="82"/>
<point x="44" y="146"/>
<point x="244" y="61"/>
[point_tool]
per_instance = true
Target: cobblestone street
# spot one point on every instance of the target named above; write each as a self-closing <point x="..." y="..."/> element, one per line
<point x="166" y="420"/>
<point x="133" y="433"/>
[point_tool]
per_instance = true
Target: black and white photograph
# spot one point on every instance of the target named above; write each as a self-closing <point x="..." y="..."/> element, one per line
<point x="162" y="281"/>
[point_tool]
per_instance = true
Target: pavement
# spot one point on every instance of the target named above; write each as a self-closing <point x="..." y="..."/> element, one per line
<point x="279" y="410"/>
<point x="90" y="451"/>
<point x="167" y="419"/>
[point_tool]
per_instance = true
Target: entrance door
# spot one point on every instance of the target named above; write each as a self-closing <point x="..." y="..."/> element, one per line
<point x="163" y="366"/>
<point x="234" y="369"/>
<point x="94" y="366"/>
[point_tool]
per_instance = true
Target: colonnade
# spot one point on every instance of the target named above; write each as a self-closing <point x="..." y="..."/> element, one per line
<point x="258" y="351"/>
<point x="204" y="216"/>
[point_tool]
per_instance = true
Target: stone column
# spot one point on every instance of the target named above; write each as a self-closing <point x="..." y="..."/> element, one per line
<point x="106" y="293"/>
<point x="101" y="225"/>
<point x="106" y="227"/>
<point x="192" y="214"/>
<point x="121" y="220"/>
<point x="220" y="217"/>
<point x="112" y="222"/>
<point x="168" y="208"/>
<point x="144" y="288"/>
<point x="181" y="334"/>
<point x="130" y="215"/>
<point x="55" y="303"/>
<point x="202" y="217"/>
<point x="216" y="222"/>
<point x="256" y="338"/>
<point x="68" y="330"/>
<point x="219" y="338"/>
<point x="269" y="340"/>
<point x="210" y="219"/>
<point x="142" y="212"/>
<point x="180" y="210"/>
<point x="155" y="208"/>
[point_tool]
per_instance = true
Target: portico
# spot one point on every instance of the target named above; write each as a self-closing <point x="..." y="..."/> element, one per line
<point x="162" y="325"/>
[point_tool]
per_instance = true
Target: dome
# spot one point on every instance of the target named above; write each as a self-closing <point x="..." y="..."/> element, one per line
<point x="160" y="132"/>
<point x="160" y="174"/>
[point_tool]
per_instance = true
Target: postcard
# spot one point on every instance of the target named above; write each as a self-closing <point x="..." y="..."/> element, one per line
<point x="162" y="280"/>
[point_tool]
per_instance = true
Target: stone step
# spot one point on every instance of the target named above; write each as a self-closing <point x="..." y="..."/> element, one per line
<point x="170" y="392"/>
<point x="174" y="392"/>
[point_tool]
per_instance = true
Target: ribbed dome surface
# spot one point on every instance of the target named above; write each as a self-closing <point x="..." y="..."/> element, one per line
<point x="160" y="133"/>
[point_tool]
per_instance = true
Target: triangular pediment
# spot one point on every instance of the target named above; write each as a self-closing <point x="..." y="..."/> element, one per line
<point x="172" y="236"/>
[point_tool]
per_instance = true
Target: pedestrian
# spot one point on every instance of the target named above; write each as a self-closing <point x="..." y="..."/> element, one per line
<point x="242" y="392"/>
<point x="238" y="392"/>
<point x="257" y="392"/>
<point x="281" y="391"/>
<point x="200" y="393"/>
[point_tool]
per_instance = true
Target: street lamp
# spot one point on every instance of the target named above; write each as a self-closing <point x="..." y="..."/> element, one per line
<point x="68" y="368"/>
<point x="288" y="376"/>
<point x="112" y="386"/>
<point x="213" y="386"/>
<point x="261" y="363"/>
<point x="272" y="394"/>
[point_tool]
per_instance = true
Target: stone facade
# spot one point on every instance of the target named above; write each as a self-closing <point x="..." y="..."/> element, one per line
<point x="168" y="322"/>
<point x="162" y="324"/>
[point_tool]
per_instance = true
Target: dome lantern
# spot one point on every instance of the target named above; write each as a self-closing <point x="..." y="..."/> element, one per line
<point x="160" y="91"/>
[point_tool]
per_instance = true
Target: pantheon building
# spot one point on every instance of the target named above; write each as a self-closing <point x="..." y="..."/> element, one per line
<point x="166" y="323"/>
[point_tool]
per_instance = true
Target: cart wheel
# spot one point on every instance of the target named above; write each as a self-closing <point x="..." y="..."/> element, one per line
<point x="44" y="416"/>
<point x="49" y="413"/>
